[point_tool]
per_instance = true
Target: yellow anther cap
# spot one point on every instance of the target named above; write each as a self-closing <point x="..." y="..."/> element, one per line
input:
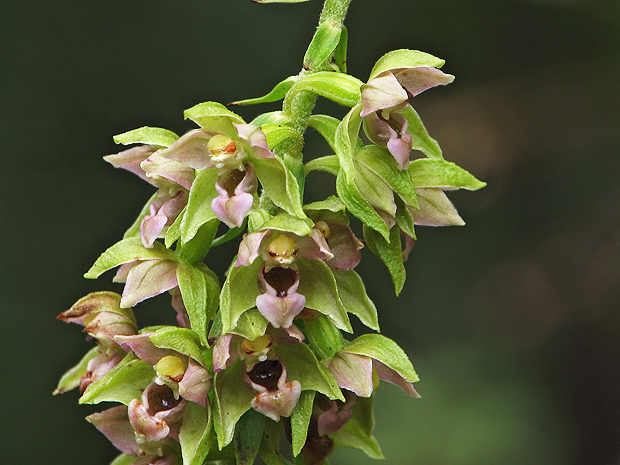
<point x="257" y="345"/>
<point x="221" y="145"/>
<point x="282" y="247"/>
<point x="171" y="367"/>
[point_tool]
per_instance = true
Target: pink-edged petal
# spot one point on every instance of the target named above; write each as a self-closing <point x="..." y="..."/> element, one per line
<point x="191" y="150"/>
<point x="387" y="374"/>
<point x="146" y="427"/>
<point x="150" y="228"/>
<point x="314" y="246"/>
<point x="114" y="424"/>
<point x="179" y="306"/>
<point x="344" y="245"/>
<point x="382" y="92"/>
<point x="249" y="248"/>
<point x="280" y="311"/>
<point x="435" y="209"/>
<point x="233" y="210"/>
<point x="123" y="271"/>
<point x="274" y="404"/>
<point x="337" y="415"/>
<point x="409" y="243"/>
<point x="158" y="167"/>
<point x="353" y="372"/>
<point x="195" y="383"/>
<point x="400" y="148"/>
<point x="147" y="279"/>
<point x="417" y="80"/>
<point x="255" y="138"/>
<point x="130" y="160"/>
<point x="222" y="355"/>
<point x="143" y="347"/>
<point x="100" y="365"/>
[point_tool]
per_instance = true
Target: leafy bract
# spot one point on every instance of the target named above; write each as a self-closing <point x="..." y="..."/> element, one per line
<point x="147" y="135"/>
<point x="446" y="175"/>
<point x="355" y="299"/>
<point x="338" y="87"/>
<point x="405" y="58"/>
<point x="390" y="254"/>
<point x="324" y="43"/>
<point x="196" y="434"/>
<point x="277" y="93"/>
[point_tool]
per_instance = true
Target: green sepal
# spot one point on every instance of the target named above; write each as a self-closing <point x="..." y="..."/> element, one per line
<point x="278" y="133"/>
<point x="404" y="218"/>
<point x="357" y="432"/>
<point x="300" y="420"/>
<point x="182" y="340"/>
<point x="195" y="250"/>
<point x="248" y="436"/>
<point x="340" y="53"/>
<point x="277" y="93"/>
<point x="338" y="87"/>
<point x="303" y="366"/>
<point x="231" y="399"/>
<point x="346" y="140"/>
<point x="386" y="351"/>
<point x="287" y="223"/>
<point x="390" y="254"/>
<point x="329" y="164"/>
<point x="134" y="229"/>
<point x="146" y="135"/>
<point x="442" y="174"/>
<point x="200" y="291"/>
<point x="280" y="184"/>
<point x="358" y="206"/>
<point x="420" y="138"/>
<point x="173" y="233"/>
<point x="125" y="251"/>
<point x="324" y="43"/>
<point x="355" y="299"/>
<point x="123" y="383"/>
<point x="251" y="324"/>
<point x="269" y="450"/>
<point x="326" y="126"/>
<point x="271" y="117"/>
<point x="196" y="434"/>
<point x="214" y="117"/>
<point x="404" y="58"/>
<point x="198" y="210"/>
<point x="381" y="162"/>
<point x="318" y="285"/>
<point x="324" y="338"/>
<point x="331" y="204"/>
<point x="124" y="459"/>
<point x="256" y="219"/>
<point x="71" y="379"/>
<point x="244" y="281"/>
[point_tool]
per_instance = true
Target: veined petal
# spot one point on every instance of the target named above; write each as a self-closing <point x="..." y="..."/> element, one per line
<point x="353" y="372"/>
<point x="195" y="384"/>
<point x="255" y="139"/>
<point x="130" y="160"/>
<point x="114" y="424"/>
<point x="191" y="150"/>
<point x="382" y="92"/>
<point x="249" y="248"/>
<point x="417" y="80"/>
<point x="147" y="279"/>
<point x="387" y="374"/>
<point x="157" y="167"/>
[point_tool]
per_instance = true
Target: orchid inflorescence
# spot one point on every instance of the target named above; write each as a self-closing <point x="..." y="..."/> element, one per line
<point x="263" y="355"/>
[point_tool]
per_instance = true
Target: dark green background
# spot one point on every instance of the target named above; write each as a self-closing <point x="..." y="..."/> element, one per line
<point x="512" y="322"/>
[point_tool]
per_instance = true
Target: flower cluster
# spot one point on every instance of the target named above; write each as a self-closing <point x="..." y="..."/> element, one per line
<point x="267" y="342"/>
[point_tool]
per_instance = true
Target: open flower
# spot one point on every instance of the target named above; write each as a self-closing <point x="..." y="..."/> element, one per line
<point x="386" y="96"/>
<point x="146" y="278"/>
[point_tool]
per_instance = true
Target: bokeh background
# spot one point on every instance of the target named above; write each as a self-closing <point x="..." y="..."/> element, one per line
<point x="512" y="321"/>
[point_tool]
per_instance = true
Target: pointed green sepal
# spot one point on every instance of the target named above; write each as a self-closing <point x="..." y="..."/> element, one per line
<point x="390" y="254"/>
<point x="71" y="379"/>
<point x="346" y="140"/>
<point x="420" y="139"/>
<point x="300" y="420"/>
<point x="251" y="324"/>
<point x="277" y="93"/>
<point x="287" y="223"/>
<point x="338" y="87"/>
<point x="280" y="184"/>
<point x="405" y="58"/>
<point x="215" y="117"/>
<point x="198" y="210"/>
<point x="355" y="299"/>
<point x="324" y="338"/>
<point x="182" y="340"/>
<point x="146" y="135"/>
<point x="244" y="281"/>
<point x="442" y="174"/>
<point x="196" y="435"/>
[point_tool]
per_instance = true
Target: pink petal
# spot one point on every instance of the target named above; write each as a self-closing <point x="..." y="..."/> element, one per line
<point x="114" y="424"/>
<point x="249" y="248"/>
<point x="280" y="402"/>
<point x="191" y="150"/>
<point x="130" y="160"/>
<point x="387" y="374"/>
<point x="147" y="279"/>
<point x="382" y="92"/>
<point x="417" y="80"/>
<point x="353" y="372"/>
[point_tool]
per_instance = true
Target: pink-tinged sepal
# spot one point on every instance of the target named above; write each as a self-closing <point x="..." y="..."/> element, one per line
<point x="131" y="159"/>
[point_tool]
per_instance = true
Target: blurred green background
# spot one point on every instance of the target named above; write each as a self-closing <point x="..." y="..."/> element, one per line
<point x="512" y="322"/>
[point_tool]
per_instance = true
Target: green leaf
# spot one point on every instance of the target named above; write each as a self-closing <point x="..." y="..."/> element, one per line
<point x="134" y="229"/>
<point x="351" y="435"/>
<point x="278" y="133"/>
<point x="326" y="125"/>
<point x="355" y="299"/>
<point x="272" y="117"/>
<point x="323" y="45"/>
<point x="280" y="184"/>
<point x="277" y="93"/>
<point x="404" y="218"/>
<point x="248" y="436"/>
<point x="251" y="324"/>
<point x="421" y="140"/>
<point x="324" y="338"/>
<point x="300" y="420"/>
<point x="390" y="254"/>
<point x="270" y="444"/>
<point x="124" y="459"/>
<point x="231" y="399"/>
<point x="146" y="135"/>
<point x="196" y="434"/>
<point x="287" y="223"/>
<point x="174" y="230"/>
<point x="182" y="340"/>
<point x="338" y="87"/>
<point x="198" y="210"/>
<point x="329" y="164"/>
<point x="71" y="379"/>
<point x="125" y="251"/>
<point x="123" y="383"/>
<point x="346" y="140"/>
<point x="359" y="206"/>
<point x="386" y="351"/>
<point x="332" y="204"/>
<point x="195" y="250"/>
<point x="446" y="175"/>
<point x="405" y="58"/>
<point x="303" y="366"/>
<point x="244" y="281"/>
<point x="340" y="54"/>
<point x="381" y="162"/>
<point x="318" y="285"/>
<point x="215" y="117"/>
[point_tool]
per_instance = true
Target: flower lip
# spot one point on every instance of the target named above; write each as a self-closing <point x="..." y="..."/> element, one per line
<point x="281" y="280"/>
<point x="267" y="374"/>
<point x="161" y="398"/>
